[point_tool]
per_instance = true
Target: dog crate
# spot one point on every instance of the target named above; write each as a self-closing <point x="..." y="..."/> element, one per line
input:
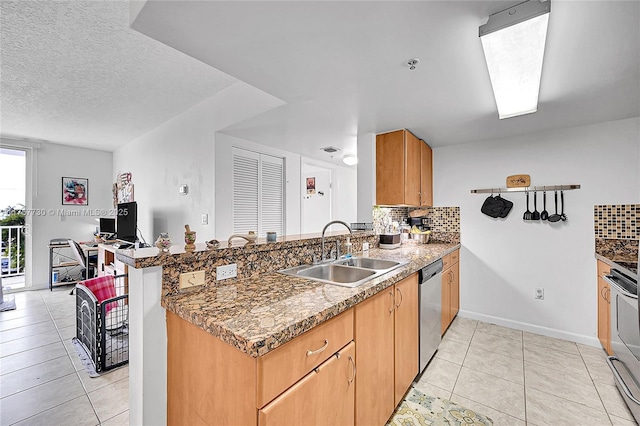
<point x="102" y="321"/>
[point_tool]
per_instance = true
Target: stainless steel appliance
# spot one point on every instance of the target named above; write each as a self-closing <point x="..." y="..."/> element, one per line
<point x="430" y="310"/>
<point x="625" y="337"/>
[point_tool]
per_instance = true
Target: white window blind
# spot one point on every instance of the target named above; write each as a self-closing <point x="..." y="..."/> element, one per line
<point x="258" y="193"/>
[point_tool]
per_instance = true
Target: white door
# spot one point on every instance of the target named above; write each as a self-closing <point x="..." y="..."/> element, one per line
<point x="316" y="198"/>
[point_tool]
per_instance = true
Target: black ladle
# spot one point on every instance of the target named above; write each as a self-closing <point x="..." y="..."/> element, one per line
<point x="527" y="214"/>
<point x="536" y="214"/>
<point x="545" y="214"/>
<point x="562" y="215"/>
<point x="555" y="217"/>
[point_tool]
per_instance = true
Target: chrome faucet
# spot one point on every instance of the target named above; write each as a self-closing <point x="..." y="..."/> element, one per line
<point x="337" y="242"/>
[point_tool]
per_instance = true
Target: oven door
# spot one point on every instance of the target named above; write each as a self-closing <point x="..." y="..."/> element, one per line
<point x="625" y="343"/>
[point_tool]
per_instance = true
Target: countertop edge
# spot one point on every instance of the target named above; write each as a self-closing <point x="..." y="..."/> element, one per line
<point x="615" y="265"/>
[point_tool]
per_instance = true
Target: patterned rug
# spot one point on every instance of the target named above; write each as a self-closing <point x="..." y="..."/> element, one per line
<point x="420" y="409"/>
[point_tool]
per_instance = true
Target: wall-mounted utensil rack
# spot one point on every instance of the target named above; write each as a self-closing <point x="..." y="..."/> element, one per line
<point x="525" y="189"/>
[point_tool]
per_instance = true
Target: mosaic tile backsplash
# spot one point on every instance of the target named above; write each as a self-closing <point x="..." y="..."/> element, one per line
<point x="620" y="221"/>
<point x="440" y="219"/>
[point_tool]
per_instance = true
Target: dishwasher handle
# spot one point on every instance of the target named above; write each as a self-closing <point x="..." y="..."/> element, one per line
<point x="430" y="271"/>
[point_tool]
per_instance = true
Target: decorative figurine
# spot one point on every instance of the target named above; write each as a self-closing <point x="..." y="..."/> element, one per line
<point x="163" y="243"/>
<point x="189" y="239"/>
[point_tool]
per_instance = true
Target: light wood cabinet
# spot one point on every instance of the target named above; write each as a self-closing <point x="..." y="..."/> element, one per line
<point x="323" y="397"/>
<point x="386" y="335"/>
<point x="450" y="288"/>
<point x="404" y="174"/>
<point x="108" y="264"/>
<point x="604" y="307"/>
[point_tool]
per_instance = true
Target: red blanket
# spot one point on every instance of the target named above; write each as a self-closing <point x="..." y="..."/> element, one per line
<point x="103" y="288"/>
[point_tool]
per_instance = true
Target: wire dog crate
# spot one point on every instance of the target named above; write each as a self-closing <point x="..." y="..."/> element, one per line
<point x="102" y="324"/>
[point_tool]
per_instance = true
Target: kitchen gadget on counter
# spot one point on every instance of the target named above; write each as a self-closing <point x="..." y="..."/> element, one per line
<point x="390" y="241"/>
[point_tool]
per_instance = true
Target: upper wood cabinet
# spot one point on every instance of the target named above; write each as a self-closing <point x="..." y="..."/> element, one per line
<point x="404" y="172"/>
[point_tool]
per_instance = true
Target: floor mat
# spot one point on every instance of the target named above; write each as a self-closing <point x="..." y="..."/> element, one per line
<point x="7" y="304"/>
<point x="420" y="409"/>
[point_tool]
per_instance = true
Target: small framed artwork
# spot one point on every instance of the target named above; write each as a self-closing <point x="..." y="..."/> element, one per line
<point x="311" y="185"/>
<point x="75" y="191"/>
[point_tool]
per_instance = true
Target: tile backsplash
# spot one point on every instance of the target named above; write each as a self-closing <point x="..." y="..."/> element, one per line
<point x="440" y="219"/>
<point x="619" y="221"/>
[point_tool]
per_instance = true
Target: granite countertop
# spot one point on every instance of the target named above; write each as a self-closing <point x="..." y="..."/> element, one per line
<point x="256" y="315"/>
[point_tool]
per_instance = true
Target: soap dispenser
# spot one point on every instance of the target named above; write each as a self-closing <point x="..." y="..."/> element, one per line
<point x="348" y="246"/>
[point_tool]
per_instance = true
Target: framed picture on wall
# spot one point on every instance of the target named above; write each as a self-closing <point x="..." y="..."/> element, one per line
<point x="75" y="191"/>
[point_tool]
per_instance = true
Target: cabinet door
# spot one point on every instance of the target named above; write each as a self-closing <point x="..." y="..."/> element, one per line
<point x="406" y="335"/>
<point x="390" y="176"/>
<point x="426" y="175"/>
<point x="604" y="314"/>
<point x="455" y="290"/>
<point x="374" y="328"/>
<point x="323" y="397"/>
<point x="412" y="169"/>
<point x="446" y="299"/>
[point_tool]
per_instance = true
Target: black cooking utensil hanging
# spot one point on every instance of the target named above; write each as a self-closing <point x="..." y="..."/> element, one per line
<point x="562" y="215"/>
<point x="536" y="214"/>
<point x="544" y="215"/>
<point x="527" y="214"/>
<point x="555" y="217"/>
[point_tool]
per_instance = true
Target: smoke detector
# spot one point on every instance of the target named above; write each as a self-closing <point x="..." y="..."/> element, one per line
<point x="412" y="63"/>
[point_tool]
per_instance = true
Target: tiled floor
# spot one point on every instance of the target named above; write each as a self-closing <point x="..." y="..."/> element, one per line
<point x="519" y="378"/>
<point x="514" y="377"/>
<point x="42" y="381"/>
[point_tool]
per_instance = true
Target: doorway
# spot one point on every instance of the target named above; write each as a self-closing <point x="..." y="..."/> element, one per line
<point x="13" y="172"/>
<point x="316" y="198"/>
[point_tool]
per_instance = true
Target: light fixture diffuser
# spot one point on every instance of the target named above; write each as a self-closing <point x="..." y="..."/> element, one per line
<point x="350" y="160"/>
<point x="513" y="42"/>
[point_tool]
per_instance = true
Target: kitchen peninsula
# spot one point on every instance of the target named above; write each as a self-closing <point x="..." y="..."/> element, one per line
<point x="243" y="321"/>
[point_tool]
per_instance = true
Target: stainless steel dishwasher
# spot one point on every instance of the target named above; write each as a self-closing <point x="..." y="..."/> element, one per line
<point x="430" y="310"/>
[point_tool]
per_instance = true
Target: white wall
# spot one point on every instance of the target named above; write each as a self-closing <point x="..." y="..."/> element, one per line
<point x="49" y="163"/>
<point x="504" y="260"/>
<point x="181" y="151"/>
<point x="366" y="176"/>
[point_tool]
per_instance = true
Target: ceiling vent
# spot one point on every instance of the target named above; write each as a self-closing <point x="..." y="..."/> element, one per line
<point x="330" y="149"/>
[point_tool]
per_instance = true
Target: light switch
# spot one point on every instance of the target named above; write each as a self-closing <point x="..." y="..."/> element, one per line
<point x="205" y="219"/>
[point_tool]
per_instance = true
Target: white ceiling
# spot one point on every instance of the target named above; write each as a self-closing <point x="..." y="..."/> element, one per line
<point x="337" y="64"/>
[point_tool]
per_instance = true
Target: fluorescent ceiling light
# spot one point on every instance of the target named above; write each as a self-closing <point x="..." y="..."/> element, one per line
<point x="513" y="42"/>
<point x="350" y="160"/>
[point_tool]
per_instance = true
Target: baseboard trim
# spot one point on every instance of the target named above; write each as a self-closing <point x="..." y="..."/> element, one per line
<point x="532" y="328"/>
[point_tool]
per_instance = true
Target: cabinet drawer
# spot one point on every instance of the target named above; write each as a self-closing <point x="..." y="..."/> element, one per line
<point x="455" y="257"/>
<point x="282" y="367"/>
<point x="446" y="261"/>
<point x="603" y="269"/>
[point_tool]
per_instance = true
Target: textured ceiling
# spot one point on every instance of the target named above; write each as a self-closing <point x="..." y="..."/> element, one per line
<point x="75" y="73"/>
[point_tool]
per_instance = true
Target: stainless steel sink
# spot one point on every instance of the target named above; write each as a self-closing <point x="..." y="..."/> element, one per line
<point x="368" y="263"/>
<point x="344" y="272"/>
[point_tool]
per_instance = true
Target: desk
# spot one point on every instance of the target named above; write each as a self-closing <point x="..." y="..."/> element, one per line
<point x="62" y="259"/>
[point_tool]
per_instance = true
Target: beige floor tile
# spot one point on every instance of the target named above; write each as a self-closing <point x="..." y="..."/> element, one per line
<point x="24" y="312"/>
<point x="499" y="394"/>
<point x="92" y="383"/>
<point x="591" y="351"/>
<point x="613" y="402"/>
<point x="431" y="390"/>
<point x="452" y="351"/>
<point x="596" y="361"/>
<point x="111" y="400"/>
<point x="493" y="343"/>
<point x="550" y="342"/>
<point x="499" y="330"/>
<point x="29" y="342"/>
<point x="460" y="334"/>
<point x="617" y="421"/>
<point x="121" y="419"/>
<point x="23" y="321"/>
<point x="441" y="373"/>
<point x="459" y="321"/>
<point x="502" y="366"/>
<point x="23" y="405"/>
<point x="499" y="418"/>
<point x="549" y="410"/>
<point x="38" y="374"/>
<point x="566" y="386"/>
<point x="68" y="321"/>
<point x="28" y="330"/>
<point x="31" y="357"/>
<point x="566" y="362"/>
<point x="67" y="333"/>
<point x="77" y="412"/>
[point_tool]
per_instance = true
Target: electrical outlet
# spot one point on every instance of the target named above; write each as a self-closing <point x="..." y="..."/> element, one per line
<point x="365" y="246"/>
<point x="226" y="271"/>
<point x="539" y="293"/>
<point x="191" y="279"/>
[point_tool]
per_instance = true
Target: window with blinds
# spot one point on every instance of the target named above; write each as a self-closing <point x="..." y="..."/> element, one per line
<point x="258" y="193"/>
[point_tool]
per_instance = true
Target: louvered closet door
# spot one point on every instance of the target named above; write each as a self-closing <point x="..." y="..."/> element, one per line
<point x="258" y="193"/>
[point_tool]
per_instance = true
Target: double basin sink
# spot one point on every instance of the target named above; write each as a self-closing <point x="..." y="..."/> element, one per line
<point x="350" y="272"/>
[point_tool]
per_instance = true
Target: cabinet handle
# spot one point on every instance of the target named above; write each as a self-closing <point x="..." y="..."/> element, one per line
<point x="400" y="293"/>
<point x="317" y="351"/>
<point x="607" y="295"/>
<point x="393" y="301"/>
<point x="353" y="375"/>
<point x="603" y="293"/>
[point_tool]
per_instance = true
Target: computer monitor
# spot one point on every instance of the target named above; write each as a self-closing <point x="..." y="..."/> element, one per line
<point x="127" y="221"/>
<point x="107" y="225"/>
